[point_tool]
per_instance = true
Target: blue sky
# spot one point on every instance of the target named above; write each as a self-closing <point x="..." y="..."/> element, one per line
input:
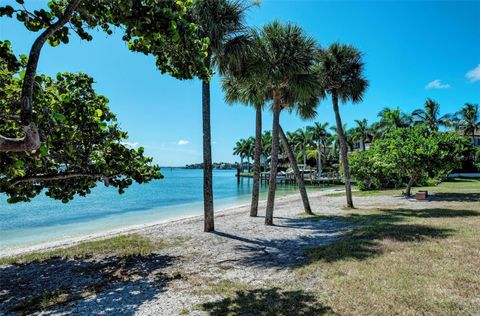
<point x="407" y="45"/>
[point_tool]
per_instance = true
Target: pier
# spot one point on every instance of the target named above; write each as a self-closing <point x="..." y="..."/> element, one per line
<point x="329" y="178"/>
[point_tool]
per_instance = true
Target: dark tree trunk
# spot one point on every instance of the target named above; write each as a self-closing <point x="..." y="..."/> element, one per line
<point x="256" y="163"/>
<point x="274" y="158"/>
<point x="343" y="150"/>
<point x="207" y="160"/>
<point x="411" y="182"/>
<point x="31" y="140"/>
<point x="296" y="172"/>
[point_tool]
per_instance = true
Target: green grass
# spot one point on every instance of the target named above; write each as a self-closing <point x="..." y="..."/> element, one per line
<point x="403" y="261"/>
<point x="126" y="245"/>
<point x="456" y="185"/>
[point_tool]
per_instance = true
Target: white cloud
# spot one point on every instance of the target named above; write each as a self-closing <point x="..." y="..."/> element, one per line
<point x="182" y="142"/>
<point x="131" y="145"/>
<point x="437" y="84"/>
<point x="474" y="74"/>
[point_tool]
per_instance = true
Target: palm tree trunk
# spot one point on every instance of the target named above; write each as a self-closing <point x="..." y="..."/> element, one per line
<point x="296" y="172"/>
<point x="207" y="160"/>
<point x="256" y="163"/>
<point x="343" y="150"/>
<point x="274" y="158"/>
<point x="319" y="160"/>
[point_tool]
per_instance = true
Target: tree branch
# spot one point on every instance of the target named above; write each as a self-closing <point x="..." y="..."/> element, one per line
<point x="63" y="176"/>
<point x="31" y="140"/>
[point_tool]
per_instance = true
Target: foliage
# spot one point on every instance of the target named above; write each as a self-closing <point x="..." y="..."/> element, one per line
<point x="82" y="142"/>
<point x="162" y="28"/>
<point x="429" y="116"/>
<point x="407" y="154"/>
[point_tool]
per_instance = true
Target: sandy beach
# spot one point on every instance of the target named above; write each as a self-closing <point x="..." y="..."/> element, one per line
<point x="142" y="228"/>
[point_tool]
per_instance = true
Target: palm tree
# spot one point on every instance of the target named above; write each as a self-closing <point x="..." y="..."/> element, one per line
<point x="468" y="120"/>
<point x="282" y="58"/>
<point x="222" y="21"/>
<point x="240" y="150"/>
<point x="301" y="140"/>
<point x="391" y="119"/>
<point x="266" y="144"/>
<point x="250" y="150"/>
<point x="361" y="132"/>
<point x="341" y="71"/>
<point x="319" y="134"/>
<point x="429" y="116"/>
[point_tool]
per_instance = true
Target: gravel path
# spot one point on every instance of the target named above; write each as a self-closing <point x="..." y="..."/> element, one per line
<point x="175" y="280"/>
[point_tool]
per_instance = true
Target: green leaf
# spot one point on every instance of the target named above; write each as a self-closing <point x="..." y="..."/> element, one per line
<point x="43" y="149"/>
<point x="19" y="163"/>
<point x="59" y="117"/>
<point x="98" y="112"/>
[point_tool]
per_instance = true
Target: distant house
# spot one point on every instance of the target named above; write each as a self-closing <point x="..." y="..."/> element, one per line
<point x="476" y="138"/>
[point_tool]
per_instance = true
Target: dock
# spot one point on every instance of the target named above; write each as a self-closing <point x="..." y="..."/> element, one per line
<point x="289" y="178"/>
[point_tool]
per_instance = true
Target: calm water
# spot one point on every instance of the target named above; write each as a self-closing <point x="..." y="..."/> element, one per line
<point x="178" y="195"/>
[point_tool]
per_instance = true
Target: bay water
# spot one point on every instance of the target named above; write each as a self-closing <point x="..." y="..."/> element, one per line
<point x="178" y="195"/>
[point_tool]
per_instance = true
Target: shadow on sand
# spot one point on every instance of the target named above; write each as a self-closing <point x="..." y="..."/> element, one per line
<point x="121" y="284"/>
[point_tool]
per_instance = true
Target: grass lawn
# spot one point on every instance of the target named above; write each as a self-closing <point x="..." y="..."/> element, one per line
<point x="456" y="185"/>
<point x="402" y="261"/>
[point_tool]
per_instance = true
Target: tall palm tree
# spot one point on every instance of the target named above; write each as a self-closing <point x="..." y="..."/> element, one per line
<point x="340" y="68"/>
<point x="248" y="91"/>
<point x="282" y="57"/>
<point x="319" y="134"/>
<point x="222" y="21"/>
<point x="429" y="116"/>
<point x="361" y="132"/>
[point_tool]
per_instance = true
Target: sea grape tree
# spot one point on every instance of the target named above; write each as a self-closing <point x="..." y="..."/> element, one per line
<point x="407" y="155"/>
<point x="81" y="141"/>
<point x="178" y="49"/>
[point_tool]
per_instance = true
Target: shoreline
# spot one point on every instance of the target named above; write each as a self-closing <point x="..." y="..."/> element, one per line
<point x="138" y="228"/>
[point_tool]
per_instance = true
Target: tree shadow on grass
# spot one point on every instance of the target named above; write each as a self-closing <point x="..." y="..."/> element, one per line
<point x="331" y="238"/>
<point x="364" y="243"/>
<point x="371" y="230"/>
<point x="121" y="284"/>
<point x="456" y="197"/>
<point x="268" y="302"/>
<point x="432" y="213"/>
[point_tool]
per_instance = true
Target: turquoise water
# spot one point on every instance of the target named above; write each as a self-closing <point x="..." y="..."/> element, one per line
<point x="178" y="195"/>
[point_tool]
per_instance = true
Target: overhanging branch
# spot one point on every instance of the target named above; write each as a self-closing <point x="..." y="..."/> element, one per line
<point x="63" y="176"/>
